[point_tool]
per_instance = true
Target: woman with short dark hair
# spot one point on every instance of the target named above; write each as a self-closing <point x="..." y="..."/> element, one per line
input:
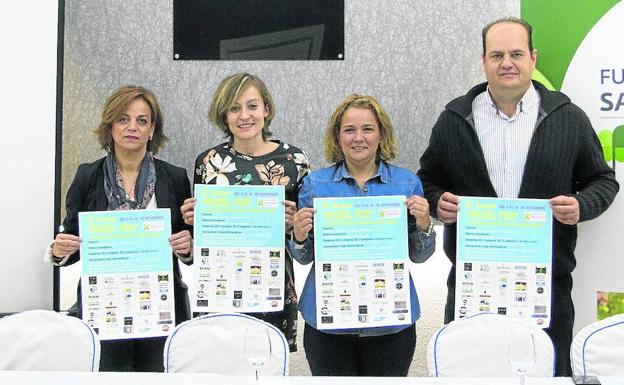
<point x="129" y="177"/>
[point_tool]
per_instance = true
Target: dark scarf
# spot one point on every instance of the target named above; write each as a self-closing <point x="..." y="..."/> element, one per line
<point x="144" y="188"/>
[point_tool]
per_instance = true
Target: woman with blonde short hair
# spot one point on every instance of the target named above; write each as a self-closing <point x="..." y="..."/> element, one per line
<point x="243" y="109"/>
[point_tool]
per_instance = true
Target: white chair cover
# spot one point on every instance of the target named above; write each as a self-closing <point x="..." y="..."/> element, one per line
<point x="46" y="340"/>
<point x="214" y="343"/>
<point x="598" y="348"/>
<point x="477" y="346"/>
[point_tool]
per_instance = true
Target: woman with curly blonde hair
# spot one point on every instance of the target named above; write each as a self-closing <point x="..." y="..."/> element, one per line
<point x="360" y="141"/>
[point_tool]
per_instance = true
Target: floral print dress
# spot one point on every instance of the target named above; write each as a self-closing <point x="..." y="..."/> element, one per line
<point x="285" y="166"/>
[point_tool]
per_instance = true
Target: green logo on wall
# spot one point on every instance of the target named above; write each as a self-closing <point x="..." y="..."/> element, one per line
<point x="558" y="43"/>
<point x="612" y="145"/>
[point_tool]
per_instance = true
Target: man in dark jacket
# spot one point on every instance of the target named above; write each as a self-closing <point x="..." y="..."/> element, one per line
<point x="512" y="138"/>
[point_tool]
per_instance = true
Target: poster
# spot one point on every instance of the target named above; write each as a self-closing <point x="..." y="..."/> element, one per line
<point x="504" y="258"/>
<point x="239" y="249"/>
<point x="361" y="262"/>
<point x="127" y="273"/>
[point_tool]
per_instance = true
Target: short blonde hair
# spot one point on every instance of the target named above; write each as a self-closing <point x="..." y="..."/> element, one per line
<point x="228" y="93"/>
<point x="388" y="148"/>
<point x="117" y="104"/>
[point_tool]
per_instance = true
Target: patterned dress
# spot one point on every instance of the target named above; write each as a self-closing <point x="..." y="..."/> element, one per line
<point x="285" y="166"/>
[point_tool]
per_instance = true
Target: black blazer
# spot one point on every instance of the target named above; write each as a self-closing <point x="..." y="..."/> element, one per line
<point x="86" y="193"/>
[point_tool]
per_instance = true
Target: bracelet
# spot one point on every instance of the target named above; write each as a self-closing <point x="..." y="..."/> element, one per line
<point x="292" y="236"/>
<point x="429" y="229"/>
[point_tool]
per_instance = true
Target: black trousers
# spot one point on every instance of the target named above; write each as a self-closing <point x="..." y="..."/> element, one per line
<point x="350" y="355"/>
<point x="561" y="322"/>
<point x="137" y="355"/>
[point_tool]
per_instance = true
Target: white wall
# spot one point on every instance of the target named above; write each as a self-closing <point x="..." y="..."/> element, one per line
<point x="600" y="265"/>
<point x="28" y="29"/>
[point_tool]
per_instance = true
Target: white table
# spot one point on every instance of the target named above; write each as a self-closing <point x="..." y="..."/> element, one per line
<point x="81" y="378"/>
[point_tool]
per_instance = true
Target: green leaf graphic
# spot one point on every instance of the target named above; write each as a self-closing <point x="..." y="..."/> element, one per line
<point x="537" y="75"/>
<point x="559" y="27"/>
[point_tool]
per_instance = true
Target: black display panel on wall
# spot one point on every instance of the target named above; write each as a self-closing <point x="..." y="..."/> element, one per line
<point x="258" y="29"/>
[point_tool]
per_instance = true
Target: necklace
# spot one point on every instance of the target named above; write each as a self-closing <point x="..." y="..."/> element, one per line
<point x="129" y="190"/>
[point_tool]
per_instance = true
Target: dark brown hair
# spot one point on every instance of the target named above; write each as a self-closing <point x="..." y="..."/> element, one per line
<point x="117" y="104"/>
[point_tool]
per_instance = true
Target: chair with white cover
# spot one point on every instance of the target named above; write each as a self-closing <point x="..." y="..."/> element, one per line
<point x="478" y="346"/>
<point x="43" y="340"/>
<point x="598" y="348"/>
<point x="214" y="343"/>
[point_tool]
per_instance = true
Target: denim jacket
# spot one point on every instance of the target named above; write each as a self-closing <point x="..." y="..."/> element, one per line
<point x="335" y="181"/>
